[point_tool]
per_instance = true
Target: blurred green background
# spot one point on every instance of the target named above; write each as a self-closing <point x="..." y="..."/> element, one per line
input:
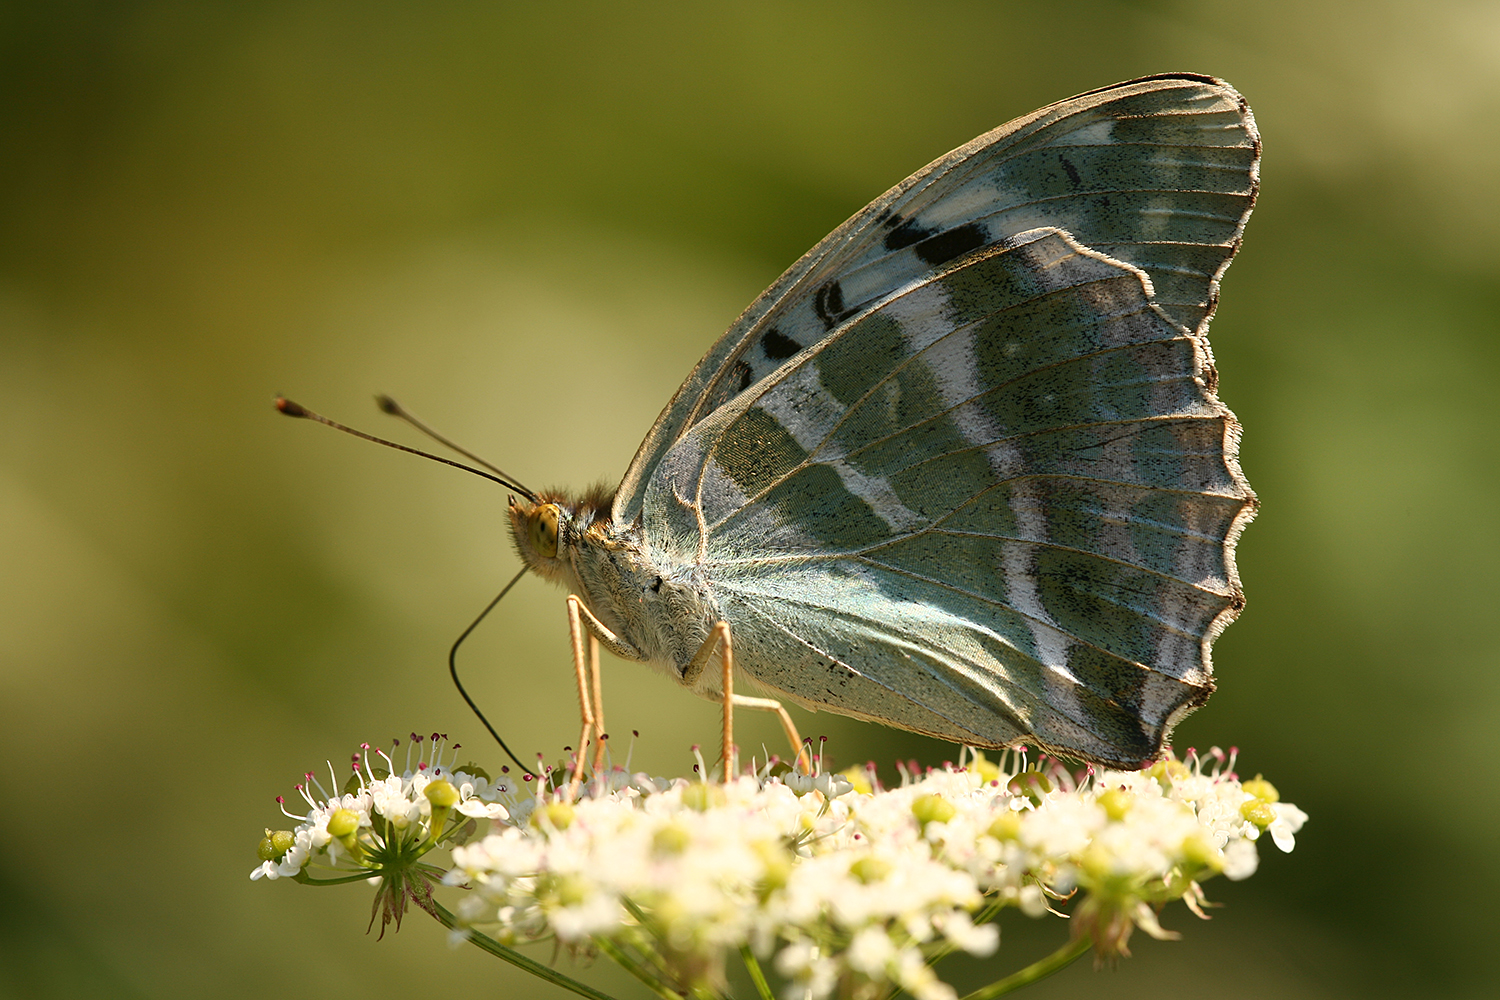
<point x="527" y="223"/>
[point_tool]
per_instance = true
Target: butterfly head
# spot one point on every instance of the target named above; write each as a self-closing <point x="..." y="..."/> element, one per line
<point x="548" y="528"/>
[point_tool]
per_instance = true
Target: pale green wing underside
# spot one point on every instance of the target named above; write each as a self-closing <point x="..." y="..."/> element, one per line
<point x="962" y="469"/>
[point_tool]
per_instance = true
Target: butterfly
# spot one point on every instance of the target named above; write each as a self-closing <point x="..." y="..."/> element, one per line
<point x="962" y="469"/>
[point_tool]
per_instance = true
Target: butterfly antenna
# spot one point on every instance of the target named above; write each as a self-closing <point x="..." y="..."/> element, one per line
<point x="453" y="669"/>
<point x="292" y="409"/>
<point x="395" y="409"/>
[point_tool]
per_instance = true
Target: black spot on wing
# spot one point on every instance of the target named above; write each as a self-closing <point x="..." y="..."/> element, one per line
<point x="954" y="243"/>
<point x="906" y="234"/>
<point x="743" y="374"/>
<point x="778" y="346"/>
<point x="1072" y="171"/>
<point x="828" y="302"/>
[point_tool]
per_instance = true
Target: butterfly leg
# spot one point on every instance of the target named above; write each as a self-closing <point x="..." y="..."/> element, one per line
<point x="719" y="641"/>
<point x="598" y="686"/>
<point x="590" y="689"/>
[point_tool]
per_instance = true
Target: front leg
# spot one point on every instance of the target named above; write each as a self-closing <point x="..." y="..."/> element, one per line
<point x="590" y="692"/>
<point x="600" y="631"/>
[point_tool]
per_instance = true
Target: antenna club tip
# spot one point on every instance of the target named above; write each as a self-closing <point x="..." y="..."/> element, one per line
<point x="290" y="408"/>
<point x="388" y="405"/>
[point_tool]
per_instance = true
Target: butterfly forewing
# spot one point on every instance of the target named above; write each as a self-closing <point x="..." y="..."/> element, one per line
<point x="962" y="469"/>
<point x="1160" y="173"/>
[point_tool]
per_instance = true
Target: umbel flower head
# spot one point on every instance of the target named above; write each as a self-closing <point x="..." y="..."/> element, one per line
<point x="863" y="888"/>
<point x="846" y="887"/>
<point x="383" y="822"/>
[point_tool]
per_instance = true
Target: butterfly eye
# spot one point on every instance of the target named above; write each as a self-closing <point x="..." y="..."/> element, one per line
<point x="544" y="530"/>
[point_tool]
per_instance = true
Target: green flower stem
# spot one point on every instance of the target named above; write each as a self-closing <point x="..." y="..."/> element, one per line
<point x="519" y="960"/>
<point x="1055" y="962"/>
<point x="762" y="988"/>
<point x="307" y="879"/>
<point x="633" y="967"/>
<point x="643" y="972"/>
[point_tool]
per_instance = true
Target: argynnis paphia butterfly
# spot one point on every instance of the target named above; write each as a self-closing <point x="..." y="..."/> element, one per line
<point x="961" y="469"/>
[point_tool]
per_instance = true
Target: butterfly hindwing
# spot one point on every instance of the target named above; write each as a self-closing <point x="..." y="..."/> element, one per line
<point x="976" y="507"/>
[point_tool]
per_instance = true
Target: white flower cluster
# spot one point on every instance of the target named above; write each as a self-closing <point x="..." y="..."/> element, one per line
<point x="859" y="890"/>
<point x="383" y="818"/>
